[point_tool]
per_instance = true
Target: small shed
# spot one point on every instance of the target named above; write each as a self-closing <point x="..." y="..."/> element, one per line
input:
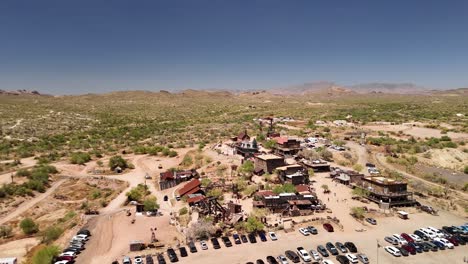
<point x="136" y="245"/>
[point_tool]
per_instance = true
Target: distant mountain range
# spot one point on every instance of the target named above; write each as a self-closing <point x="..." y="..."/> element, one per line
<point x="325" y="87"/>
<point x="314" y="88"/>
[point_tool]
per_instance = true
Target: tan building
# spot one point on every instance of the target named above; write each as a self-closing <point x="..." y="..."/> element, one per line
<point x="268" y="163"/>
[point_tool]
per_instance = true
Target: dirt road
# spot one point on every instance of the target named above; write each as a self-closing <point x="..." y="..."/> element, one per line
<point x="380" y="158"/>
<point x="30" y="203"/>
<point x="25" y="163"/>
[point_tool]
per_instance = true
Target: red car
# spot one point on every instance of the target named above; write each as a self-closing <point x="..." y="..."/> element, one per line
<point x="69" y="258"/>
<point x="328" y="227"/>
<point x="453" y="241"/>
<point x="410" y="249"/>
<point x="407" y="237"/>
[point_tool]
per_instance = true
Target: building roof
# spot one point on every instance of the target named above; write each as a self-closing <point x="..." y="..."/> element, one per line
<point x="195" y="199"/>
<point x="265" y="193"/>
<point x="243" y="135"/>
<point x="280" y="140"/>
<point x="269" y="157"/>
<point x="383" y="180"/>
<point x="283" y="168"/>
<point x="192" y="186"/>
<point x="299" y="202"/>
<point x="167" y="175"/>
<point x="302" y="188"/>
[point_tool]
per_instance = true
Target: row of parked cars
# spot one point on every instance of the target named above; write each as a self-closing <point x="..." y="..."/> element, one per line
<point x="311" y="230"/>
<point x="347" y="249"/>
<point x="173" y="257"/>
<point x="427" y="239"/>
<point x="76" y="245"/>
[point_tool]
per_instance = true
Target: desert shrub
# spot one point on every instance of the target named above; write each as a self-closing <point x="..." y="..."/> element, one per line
<point x="247" y="167"/>
<point x="465" y="170"/>
<point x="51" y="234"/>
<point x="23" y="173"/>
<point x="117" y="161"/>
<point x="137" y="193"/>
<point x="253" y="224"/>
<point x="358" y="167"/>
<point x="45" y="255"/>
<point x="216" y="192"/>
<point x="5" y="231"/>
<point x="79" y="158"/>
<point x="28" y="226"/>
<point x="358" y="212"/>
<point x="183" y="211"/>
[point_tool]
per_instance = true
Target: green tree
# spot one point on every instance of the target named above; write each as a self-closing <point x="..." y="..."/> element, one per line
<point x="45" y="255"/>
<point x="137" y="193"/>
<point x="325" y="187"/>
<point x="51" y="234"/>
<point x="150" y="203"/>
<point x="289" y="188"/>
<point x="358" y="212"/>
<point x="326" y="154"/>
<point x="253" y="224"/>
<point x="465" y="170"/>
<point x="247" y="167"/>
<point x="270" y="144"/>
<point x="360" y="192"/>
<point x="117" y="161"/>
<point x="183" y="211"/>
<point x="28" y="226"/>
<point x="215" y="192"/>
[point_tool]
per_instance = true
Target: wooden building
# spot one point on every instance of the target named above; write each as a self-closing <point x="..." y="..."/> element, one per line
<point x="268" y="163"/>
<point x="286" y="146"/>
<point x="295" y="174"/>
<point x="384" y="190"/>
<point x="169" y="178"/>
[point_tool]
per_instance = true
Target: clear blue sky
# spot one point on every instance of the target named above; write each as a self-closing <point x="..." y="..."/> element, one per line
<point x="70" y="47"/>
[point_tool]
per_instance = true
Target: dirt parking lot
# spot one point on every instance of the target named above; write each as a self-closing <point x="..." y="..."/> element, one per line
<point x="366" y="242"/>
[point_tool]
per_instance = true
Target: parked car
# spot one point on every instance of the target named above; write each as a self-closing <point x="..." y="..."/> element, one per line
<point x="446" y="243"/>
<point x="415" y="238"/>
<point x="459" y="239"/>
<point x="351" y="247"/>
<point x="84" y="232"/>
<point x="259" y="261"/>
<point x="244" y="239"/>
<point x="452" y="240"/>
<point x="435" y="231"/>
<point x="271" y="260"/>
<point x="282" y="259"/>
<point x="327" y="261"/>
<point x="304" y="231"/>
<point x="273" y="236"/>
<point x="391" y="240"/>
<point x="149" y="259"/>
<point x="393" y="251"/>
<point x="428" y="233"/>
<point x="161" y="259"/>
<point x="203" y="245"/>
<point x="138" y="260"/>
<point x="237" y="239"/>
<point x="262" y="236"/>
<point x="192" y="247"/>
<point x="312" y="230"/>
<point x="407" y="237"/>
<point x="403" y="251"/>
<point x="439" y="244"/>
<point x="410" y="249"/>
<point x="292" y="256"/>
<point x="332" y="248"/>
<point x="416" y="247"/>
<point x="341" y="247"/>
<point x="323" y="251"/>
<point x="226" y="241"/>
<point x="252" y="238"/>
<point x="421" y="235"/>
<point x="66" y="258"/>
<point x="432" y="246"/>
<point x="172" y="255"/>
<point x="315" y="255"/>
<point x="126" y="260"/>
<point x="371" y="221"/>
<point x="328" y="227"/>
<point x="363" y="258"/>
<point x="68" y="254"/>
<point x="303" y="254"/>
<point x="183" y="252"/>
<point x="215" y="243"/>
<point x="400" y="239"/>
<point x="72" y="249"/>
<point x="352" y="258"/>
<point x="342" y="259"/>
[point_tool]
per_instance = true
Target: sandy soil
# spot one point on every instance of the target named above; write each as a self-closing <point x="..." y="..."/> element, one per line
<point x="18" y="248"/>
<point x="449" y="158"/>
<point x="418" y="132"/>
<point x="25" y="163"/>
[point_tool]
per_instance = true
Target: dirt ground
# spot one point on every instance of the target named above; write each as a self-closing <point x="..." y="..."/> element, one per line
<point x="18" y="248"/>
<point x="415" y="131"/>
<point x="454" y="159"/>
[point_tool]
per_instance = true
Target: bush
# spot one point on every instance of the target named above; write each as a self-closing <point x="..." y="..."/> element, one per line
<point x="466" y="169"/>
<point x="253" y="224"/>
<point x="5" y="231"/>
<point x="358" y="212"/>
<point x="137" y="193"/>
<point x="79" y="158"/>
<point x="51" y="234"/>
<point x="28" y="226"/>
<point x="117" y="161"/>
<point x="45" y="255"/>
<point x="358" y="167"/>
<point x="150" y="203"/>
<point x="183" y="211"/>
